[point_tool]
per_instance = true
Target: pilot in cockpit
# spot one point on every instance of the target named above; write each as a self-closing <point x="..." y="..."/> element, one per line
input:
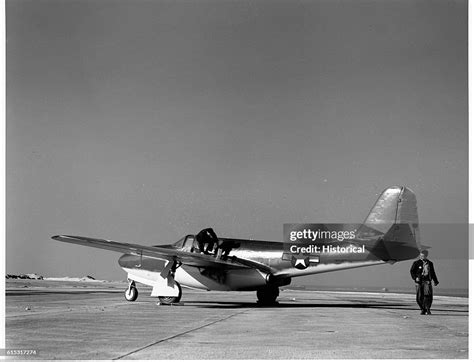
<point x="207" y="241"/>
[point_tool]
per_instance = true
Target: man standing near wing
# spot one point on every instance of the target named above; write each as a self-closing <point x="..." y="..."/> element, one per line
<point x="422" y="272"/>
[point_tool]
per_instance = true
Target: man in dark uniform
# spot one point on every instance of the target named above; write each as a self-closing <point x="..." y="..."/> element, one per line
<point x="422" y="272"/>
<point x="207" y="240"/>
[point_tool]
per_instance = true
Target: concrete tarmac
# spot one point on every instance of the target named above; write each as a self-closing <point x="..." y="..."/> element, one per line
<point x="74" y="320"/>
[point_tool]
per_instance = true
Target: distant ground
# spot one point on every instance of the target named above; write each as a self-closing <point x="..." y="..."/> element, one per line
<point x="34" y="276"/>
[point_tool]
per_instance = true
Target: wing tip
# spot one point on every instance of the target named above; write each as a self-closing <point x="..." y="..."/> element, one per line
<point x="61" y="237"/>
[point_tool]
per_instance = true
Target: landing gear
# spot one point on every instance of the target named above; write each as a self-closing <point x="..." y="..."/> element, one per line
<point x="171" y="300"/>
<point x="267" y="295"/>
<point x="131" y="293"/>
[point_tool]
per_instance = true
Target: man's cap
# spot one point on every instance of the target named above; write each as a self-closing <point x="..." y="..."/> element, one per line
<point x="424" y="252"/>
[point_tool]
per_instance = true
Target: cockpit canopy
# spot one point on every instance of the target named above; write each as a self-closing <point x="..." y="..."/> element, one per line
<point x="186" y="243"/>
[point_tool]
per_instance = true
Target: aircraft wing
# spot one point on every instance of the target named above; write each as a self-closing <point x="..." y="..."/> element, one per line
<point x="164" y="253"/>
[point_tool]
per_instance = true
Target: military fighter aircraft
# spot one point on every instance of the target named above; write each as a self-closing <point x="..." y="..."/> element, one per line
<point x="389" y="234"/>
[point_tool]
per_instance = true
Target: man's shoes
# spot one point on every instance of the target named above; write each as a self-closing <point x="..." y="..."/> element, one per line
<point x="428" y="312"/>
<point x="423" y="312"/>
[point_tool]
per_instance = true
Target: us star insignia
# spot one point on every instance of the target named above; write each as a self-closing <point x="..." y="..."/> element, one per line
<point x="300" y="261"/>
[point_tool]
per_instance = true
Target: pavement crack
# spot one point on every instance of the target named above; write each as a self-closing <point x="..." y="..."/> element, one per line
<point x="179" y="334"/>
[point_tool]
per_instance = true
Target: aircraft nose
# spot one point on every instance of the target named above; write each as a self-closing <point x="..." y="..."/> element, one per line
<point x="128" y="261"/>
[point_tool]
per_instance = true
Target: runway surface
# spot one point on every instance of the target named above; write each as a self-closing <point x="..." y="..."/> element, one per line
<point x="74" y="320"/>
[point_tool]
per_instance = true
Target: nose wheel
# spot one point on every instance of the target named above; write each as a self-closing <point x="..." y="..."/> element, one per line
<point x="131" y="293"/>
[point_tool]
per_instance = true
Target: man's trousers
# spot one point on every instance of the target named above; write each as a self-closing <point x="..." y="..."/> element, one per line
<point x="424" y="295"/>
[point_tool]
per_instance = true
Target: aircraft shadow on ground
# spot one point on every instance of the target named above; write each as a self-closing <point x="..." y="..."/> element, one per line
<point x="242" y="305"/>
<point x="285" y="305"/>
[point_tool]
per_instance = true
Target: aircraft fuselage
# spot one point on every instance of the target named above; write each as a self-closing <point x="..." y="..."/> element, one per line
<point x="283" y="261"/>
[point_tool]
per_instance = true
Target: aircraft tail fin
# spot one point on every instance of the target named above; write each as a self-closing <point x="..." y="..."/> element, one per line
<point x="394" y="217"/>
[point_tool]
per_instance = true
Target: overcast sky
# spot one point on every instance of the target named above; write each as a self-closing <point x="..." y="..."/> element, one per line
<point x="142" y="121"/>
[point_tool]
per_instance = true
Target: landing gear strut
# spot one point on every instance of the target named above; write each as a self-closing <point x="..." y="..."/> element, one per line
<point x="171" y="300"/>
<point x="267" y="295"/>
<point x="131" y="293"/>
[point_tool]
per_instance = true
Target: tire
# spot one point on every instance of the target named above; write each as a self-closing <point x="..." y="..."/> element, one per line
<point x="131" y="294"/>
<point x="267" y="295"/>
<point x="171" y="300"/>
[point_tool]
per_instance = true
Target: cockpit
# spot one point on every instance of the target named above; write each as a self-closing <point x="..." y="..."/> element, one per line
<point x="186" y="243"/>
<point x="206" y="242"/>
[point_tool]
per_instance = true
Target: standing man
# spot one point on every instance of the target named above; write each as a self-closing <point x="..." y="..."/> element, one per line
<point x="422" y="272"/>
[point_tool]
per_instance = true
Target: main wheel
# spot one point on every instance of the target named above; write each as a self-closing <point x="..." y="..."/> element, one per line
<point x="171" y="300"/>
<point x="268" y="294"/>
<point x="131" y="294"/>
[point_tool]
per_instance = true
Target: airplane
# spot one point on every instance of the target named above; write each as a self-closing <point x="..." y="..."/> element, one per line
<point x="389" y="234"/>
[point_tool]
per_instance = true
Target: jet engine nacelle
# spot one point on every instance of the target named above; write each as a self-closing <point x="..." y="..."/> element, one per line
<point x="277" y="281"/>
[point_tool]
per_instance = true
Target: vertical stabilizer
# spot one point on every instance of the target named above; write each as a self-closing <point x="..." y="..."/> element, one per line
<point x="394" y="217"/>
